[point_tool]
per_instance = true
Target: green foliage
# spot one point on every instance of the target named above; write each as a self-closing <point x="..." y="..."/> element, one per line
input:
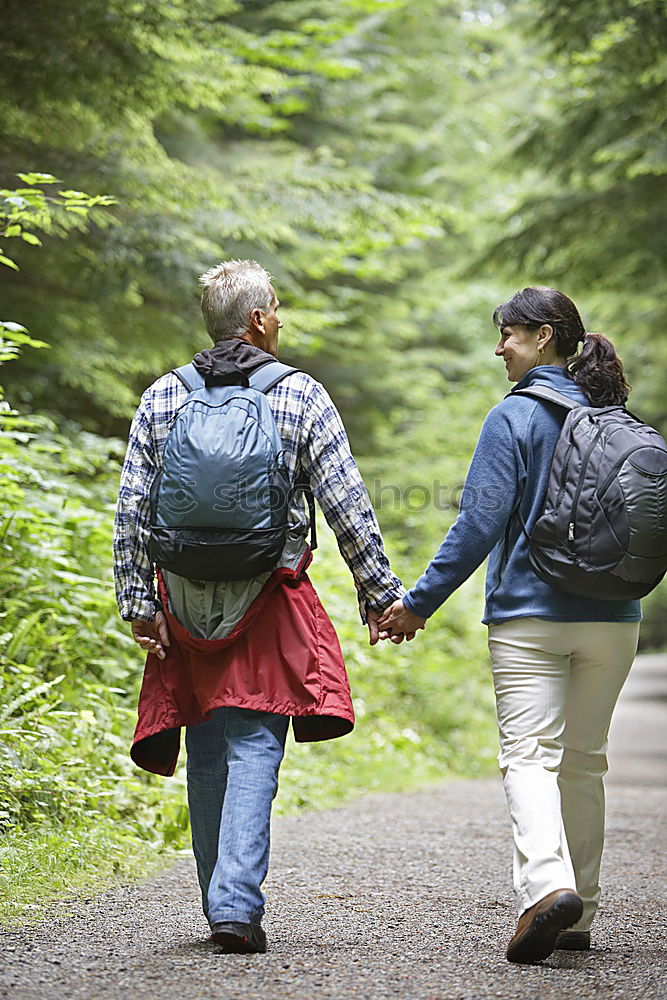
<point x="601" y="146"/>
<point x="23" y="210"/>
<point x="69" y="668"/>
<point x="591" y="212"/>
<point x="387" y="160"/>
<point x="319" y="137"/>
<point x="72" y="806"/>
<point x="588" y="211"/>
<point x="65" y="862"/>
<point x="653" y="634"/>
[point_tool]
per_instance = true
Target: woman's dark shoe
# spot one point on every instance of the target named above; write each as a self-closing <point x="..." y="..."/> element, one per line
<point x="239" y="939"/>
<point x="539" y="926"/>
<point x="573" y="941"/>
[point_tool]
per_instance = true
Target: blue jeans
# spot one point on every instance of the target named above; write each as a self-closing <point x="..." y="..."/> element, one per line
<point x="233" y="761"/>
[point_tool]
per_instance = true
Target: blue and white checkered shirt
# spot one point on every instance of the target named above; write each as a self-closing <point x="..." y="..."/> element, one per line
<point x="315" y="443"/>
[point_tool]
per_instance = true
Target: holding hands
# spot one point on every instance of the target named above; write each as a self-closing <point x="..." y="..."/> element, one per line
<point x="395" y="623"/>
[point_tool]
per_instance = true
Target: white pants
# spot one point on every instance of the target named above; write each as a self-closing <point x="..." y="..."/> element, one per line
<point x="556" y="686"/>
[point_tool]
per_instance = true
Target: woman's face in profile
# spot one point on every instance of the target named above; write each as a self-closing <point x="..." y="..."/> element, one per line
<point x="518" y="348"/>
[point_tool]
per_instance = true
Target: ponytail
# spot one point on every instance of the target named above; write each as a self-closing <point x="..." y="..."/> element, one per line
<point x="598" y="372"/>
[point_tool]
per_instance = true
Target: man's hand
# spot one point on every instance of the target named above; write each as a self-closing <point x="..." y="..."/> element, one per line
<point x="153" y="636"/>
<point x="397" y="623"/>
<point x="372" y="622"/>
<point x="374" y="632"/>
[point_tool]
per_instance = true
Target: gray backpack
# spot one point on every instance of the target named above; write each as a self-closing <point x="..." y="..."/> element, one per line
<point x="603" y="530"/>
<point x="220" y="504"/>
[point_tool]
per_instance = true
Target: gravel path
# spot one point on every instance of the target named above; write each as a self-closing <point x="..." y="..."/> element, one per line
<point x="638" y="736"/>
<point x="394" y="896"/>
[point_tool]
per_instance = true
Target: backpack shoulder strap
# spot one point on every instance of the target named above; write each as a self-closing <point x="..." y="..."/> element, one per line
<point x="550" y="395"/>
<point x="189" y="376"/>
<point x="263" y="379"/>
<point x="270" y="374"/>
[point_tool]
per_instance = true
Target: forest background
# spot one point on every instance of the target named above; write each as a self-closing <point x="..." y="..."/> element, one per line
<point x="400" y="166"/>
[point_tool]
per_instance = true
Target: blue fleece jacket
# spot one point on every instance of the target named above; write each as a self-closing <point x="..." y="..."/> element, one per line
<point x="510" y="471"/>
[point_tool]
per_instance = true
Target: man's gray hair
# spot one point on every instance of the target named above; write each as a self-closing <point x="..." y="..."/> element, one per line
<point x="231" y="291"/>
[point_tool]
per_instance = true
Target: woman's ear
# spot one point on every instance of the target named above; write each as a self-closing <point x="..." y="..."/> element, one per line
<point x="545" y="335"/>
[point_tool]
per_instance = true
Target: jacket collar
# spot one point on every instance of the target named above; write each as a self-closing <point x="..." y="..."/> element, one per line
<point x="218" y="364"/>
<point x="553" y="376"/>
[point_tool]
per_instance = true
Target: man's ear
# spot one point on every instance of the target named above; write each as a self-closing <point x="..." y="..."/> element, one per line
<point x="255" y="320"/>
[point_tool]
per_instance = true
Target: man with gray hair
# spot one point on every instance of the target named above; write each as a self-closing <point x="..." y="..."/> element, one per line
<point x="230" y="292"/>
<point x="233" y="661"/>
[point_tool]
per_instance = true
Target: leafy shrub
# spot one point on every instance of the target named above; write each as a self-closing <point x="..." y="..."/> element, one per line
<point x="70" y="670"/>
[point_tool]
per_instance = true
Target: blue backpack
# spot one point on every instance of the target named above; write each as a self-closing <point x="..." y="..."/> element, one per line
<point x="219" y="507"/>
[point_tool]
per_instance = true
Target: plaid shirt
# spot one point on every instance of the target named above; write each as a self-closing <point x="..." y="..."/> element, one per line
<point x="315" y="443"/>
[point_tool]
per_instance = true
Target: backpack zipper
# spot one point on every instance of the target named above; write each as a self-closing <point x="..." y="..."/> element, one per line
<point x="582" y="477"/>
<point x="563" y="478"/>
<point x="566" y="463"/>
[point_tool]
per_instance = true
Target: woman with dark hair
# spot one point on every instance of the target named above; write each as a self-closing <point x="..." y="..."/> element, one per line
<point x="559" y="660"/>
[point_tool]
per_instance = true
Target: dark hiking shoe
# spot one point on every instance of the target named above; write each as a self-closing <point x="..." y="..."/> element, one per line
<point x="239" y="939"/>
<point x="539" y="926"/>
<point x="573" y="941"/>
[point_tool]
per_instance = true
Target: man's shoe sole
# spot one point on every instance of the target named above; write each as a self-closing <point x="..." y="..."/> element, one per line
<point x="233" y="944"/>
<point x="539" y="939"/>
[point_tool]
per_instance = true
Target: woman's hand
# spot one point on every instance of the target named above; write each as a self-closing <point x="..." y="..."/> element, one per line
<point x="397" y="623"/>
